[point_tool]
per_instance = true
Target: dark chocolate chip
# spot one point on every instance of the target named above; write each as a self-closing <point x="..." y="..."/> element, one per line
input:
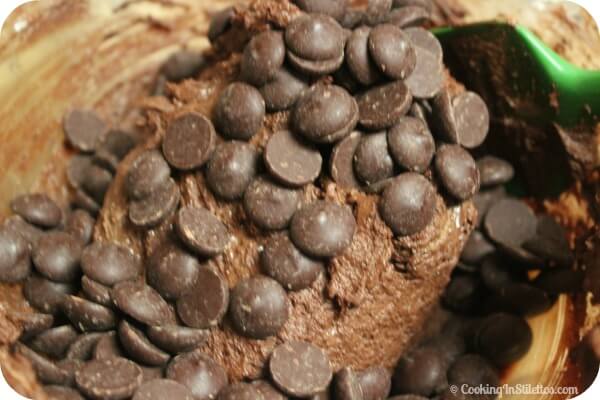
<point x="472" y="119"/>
<point x="315" y="37"/>
<point x="324" y="114"/>
<point x="408" y="204"/>
<point x="428" y="76"/>
<point x="474" y="371"/>
<point x="375" y="383"/>
<point x="96" y="181"/>
<point x="345" y="384"/>
<point x="484" y="199"/>
<point x="29" y="232"/>
<point x="206" y="303"/>
<point x="411" y="144"/>
<point x="300" y="369"/>
<point x="323" y="229"/>
<point x="84" y="201"/>
<point x="88" y="316"/>
<point x="457" y="171"/>
<point x="550" y="242"/>
<point x="283" y="90"/>
<point x="46" y="370"/>
<point x="110" y="263"/>
<point x="282" y="261"/>
<point x="161" y="389"/>
<point x="262" y="57"/>
<point x="421" y="371"/>
<point x="240" y="391"/>
<point x="503" y="338"/>
<point x="231" y="169"/>
<point x="358" y="58"/>
<point x="292" y="160"/>
<point x="463" y="294"/>
<point x="15" y="262"/>
<point x="201" y="231"/>
<point x="522" y="298"/>
<point x="494" y="171"/>
<point x="172" y="271"/>
<point x="54" y="342"/>
<point x="32" y="324"/>
<point x="113" y="148"/>
<point x="341" y="161"/>
<point x="352" y="18"/>
<point x="408" y="16"/>
<point x="198" y="372"/>
<point x="268" y="391"/>
<point x="220" y="23"/>
<point x="46" y="295"/>
<point x="315" y="69"/>
<point x="558" y="281"/>
<point x="333" y="8"/>
<point x="138" y="347"/>
<point x="495" y="273"/>
<point x="239" y="111"/>
<point x="148" y="173"/>
<point x="183" y="64"/>
<point x="420" y="110"/>
<point x="142" y="303"/>
<point x="372" y="160"/>
<point x="377" y="11"/>
<point x="425" y="40"/>
<point x="157" y="207"/>
<point x="476" y="248"/>
<point x="510" y="222"/>
<point x="344" y="78"/>
<point x="83" y="347"/>
<point x="258" y="307"/>
<point x="189" y="141"/>
<point x="110" y="379"/>
<point x="80" y="224"/>
<point x="443" y="116"/>
<point x="108" y="347"/>
<point x="56" y="256"/>
<point x="37" y="209"/>
<point x="78" y="164"/>
<point x="177" y="339"/>
<point x="269" y="205"/>
<point x="56" y="392"/>
<point x="382" y="106"/>
<point x="84" y="129"/>
<point x="392" y="51"/>
<point x="96" y="292"/>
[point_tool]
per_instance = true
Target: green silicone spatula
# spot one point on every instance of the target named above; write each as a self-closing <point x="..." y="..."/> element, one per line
<point x="534" y="81"/>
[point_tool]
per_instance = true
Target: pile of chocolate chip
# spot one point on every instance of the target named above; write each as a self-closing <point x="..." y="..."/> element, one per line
<point x="369" y="109"/>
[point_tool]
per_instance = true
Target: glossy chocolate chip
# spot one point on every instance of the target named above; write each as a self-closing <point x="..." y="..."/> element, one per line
<point x="315" y="37"/>
<point x="88" y="316"/>
<point x="494" y="171"/>
<point x="503" y="338"/>
<point x="46" y="295"/>
<point x="84" y="129"/>
<point x="323" y="229"/>
<point x="198" y="372"/>
<point x="110" y="379"/>
<point x="375" y="383"/>
<point x="183" y="64"/>
<point x="45" y="370"/>
<point x="32" y="324"/>
<point x="457" y="171"/>
<point x="314" y="69"/>
<point x="408" y="204"/>
<point x="30" y="233"/>
<point x="142" y="303"/>
<point x="157" y="207"/>
<point x="282" y="91"/>
<point x="358" y="58"/>
<point x="377" y="11"/>
<point x="110" y="263"/>
<point x="472" y="119"/>
<point x="201" y="231"/>
<point x="206" y="303"/>
<point x="240" y="111"/>
<point x="510" y="222"/>
<point x="473" y="371"/>
<point x="80" y="224"/>
<point x="392" y="51"/>
<point x="268" y="391"/>
<point x="148" y="173"/>
<point x="220" y="23"/>
<point x="262" y="57"/>
<point x="113" y="148"/>
<point x="464" y="293"/>
<point x="172" y="271"/>
<point x="411" y="144"/>
<point x="550" y="243"/>
<point x="108" y="347"/>
<point x="160" y="389"/>
<point x="55" y="341"/>
<point x="300" y="368"/>
<point x="333" y="8"/>
<point x="292" y="160"/>
<point x="189" y="141"/>
<point x="372" y="160"/>
<point x="240" y="391"/>
<point x="37" y="209"/>
<point x="341" y="161"/>
<point x="408" y="16"/>
<point x="428" y="76"/>
<point x="421" y="372"/>
<point x="231" y="169"/>
<point x="96" y="292"/>
<point x="352" y="18"/>
<point x="83" y="347"/>
<point x="382" y="106"/>
<point x="476" y="248"/>
<point x="57" y="392"/>
<point x="484" y="199"/>
<point x="282" y="261"/>
<point x="56" y="256"/>
<point x="269" y="205"/>
<point x="96" y="181"/>
<point x="258" y="307"/>
<point x="177" y="339"/>
<point x="138" y="347"/>
<point x="15" y="263"/>
<point x="346" y="385"/>
<point x="324" y="114"/>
